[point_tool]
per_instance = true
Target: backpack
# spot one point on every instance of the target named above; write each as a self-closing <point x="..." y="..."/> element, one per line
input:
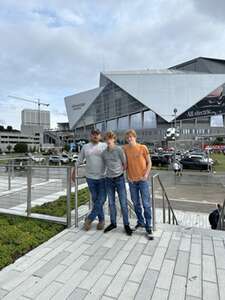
<point x="214" y="218"/>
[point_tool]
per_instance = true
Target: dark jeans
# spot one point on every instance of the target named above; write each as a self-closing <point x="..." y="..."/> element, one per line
<point x="114" y="185"/>
<point x="140" y="194"/>
<point x="98" y="193"/>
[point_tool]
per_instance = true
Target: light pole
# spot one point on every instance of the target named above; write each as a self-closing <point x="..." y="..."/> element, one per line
<point x="175" y="125"/>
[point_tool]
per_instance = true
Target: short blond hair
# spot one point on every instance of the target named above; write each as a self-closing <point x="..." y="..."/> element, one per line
<point x="130" y="132"/>
<point x="110" y="135"/>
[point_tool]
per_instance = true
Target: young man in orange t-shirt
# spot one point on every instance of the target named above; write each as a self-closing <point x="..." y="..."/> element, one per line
<point x="138" y="170"/>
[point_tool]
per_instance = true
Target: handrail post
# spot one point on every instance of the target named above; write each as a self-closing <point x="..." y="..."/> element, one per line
<point x="153" y="204"/>
<point x="76" y="196"/>
<point x="164" y="213"/>
<point x="68" y="196"/>
<point x="29" y="183"/>
<point x="169" y="215"/>
<point x="9" y="175"/>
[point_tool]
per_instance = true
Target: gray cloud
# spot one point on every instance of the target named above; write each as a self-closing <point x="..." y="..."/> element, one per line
<point x="56" y="49"/>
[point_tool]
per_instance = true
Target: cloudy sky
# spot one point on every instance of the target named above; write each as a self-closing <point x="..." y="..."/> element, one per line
<point x="51" y="49"/>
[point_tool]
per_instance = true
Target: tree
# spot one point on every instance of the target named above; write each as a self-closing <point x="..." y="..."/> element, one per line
<point x="9" y="128"/>
<point x="21" y="148"/>
<point x="2" y="128"/>
<point x="218" y="140"/>
<point x="66" y="147"/>
<point x="9" y="148"/>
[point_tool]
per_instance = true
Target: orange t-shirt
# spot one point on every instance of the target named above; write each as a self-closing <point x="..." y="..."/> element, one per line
<point x="136" y="161"/>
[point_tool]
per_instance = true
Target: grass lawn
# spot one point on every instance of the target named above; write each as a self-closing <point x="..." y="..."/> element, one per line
<point x="219" y="159"/>
<point x="58" y="207"/>
<point x="19" y="235"/>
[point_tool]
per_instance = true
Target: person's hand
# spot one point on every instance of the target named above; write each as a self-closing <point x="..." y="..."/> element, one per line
<point x="145" y="177"/>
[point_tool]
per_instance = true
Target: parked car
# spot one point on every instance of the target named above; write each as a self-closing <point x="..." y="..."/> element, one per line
<point x="194" y="163"/>
<point x="64" y="158"/>
<point x="202" y="157"/>
<point x="19" y="164"/>
<point x="74" y="158"/>
<point x="37" y="159"/>
<point x="54" y="159"/>
<point x="159" y="160"/>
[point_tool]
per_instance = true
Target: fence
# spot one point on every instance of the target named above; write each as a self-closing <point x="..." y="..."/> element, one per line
<point x="25" y="188"/>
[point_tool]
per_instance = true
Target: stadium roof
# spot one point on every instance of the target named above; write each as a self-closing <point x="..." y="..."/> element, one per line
<point x="163" y="91"/>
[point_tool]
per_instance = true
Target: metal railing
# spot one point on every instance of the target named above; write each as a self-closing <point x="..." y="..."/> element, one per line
<point x="168" y="215"/>
<point x="221" y="223"/>
<point x="23" y="187"/>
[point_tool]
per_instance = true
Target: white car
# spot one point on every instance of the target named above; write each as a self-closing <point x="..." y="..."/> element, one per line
<point x="64" y="158"/>
<point x="37" y="159"/>
<point x="74" y="158"/>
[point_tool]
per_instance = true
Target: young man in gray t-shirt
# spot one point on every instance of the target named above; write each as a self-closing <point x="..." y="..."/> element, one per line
<point x="115" y="163"/>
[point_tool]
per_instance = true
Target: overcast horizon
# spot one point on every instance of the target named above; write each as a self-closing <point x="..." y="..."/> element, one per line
<point x="55" y="49"/>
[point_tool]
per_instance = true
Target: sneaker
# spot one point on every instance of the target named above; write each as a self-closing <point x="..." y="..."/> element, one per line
<point x="110" y="227"/>
<point x="138" y="226"/>
<point x="87" y="224"/>
<point x="149" y="233"/>
<point x="128" y="230"/>
<point x="100" y="225"/>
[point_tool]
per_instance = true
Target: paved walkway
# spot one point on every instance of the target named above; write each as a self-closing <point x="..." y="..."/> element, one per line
<point x="179" y="264"/>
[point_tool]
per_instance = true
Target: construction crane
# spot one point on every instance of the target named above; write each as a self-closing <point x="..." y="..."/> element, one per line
<point x="39" y="103"/>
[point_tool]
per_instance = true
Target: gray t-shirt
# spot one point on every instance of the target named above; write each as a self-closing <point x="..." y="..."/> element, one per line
<point x="114" y="160"/>
<point x="95" y="167"/>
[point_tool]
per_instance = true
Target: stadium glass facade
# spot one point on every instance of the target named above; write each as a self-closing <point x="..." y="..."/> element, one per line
<point x="145" y="101"/>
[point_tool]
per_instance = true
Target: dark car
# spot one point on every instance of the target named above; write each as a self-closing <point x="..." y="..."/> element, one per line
<point x="159" y="160"/>
<point x="194" y="163"/>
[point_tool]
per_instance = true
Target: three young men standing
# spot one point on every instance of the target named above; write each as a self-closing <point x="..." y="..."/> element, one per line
<point x="110" y="158"/>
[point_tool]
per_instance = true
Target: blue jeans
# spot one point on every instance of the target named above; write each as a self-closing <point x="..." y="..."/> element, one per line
<point x="137" y="189"/>
<point x="114" y="185"/>
<point x="98" y="194"/>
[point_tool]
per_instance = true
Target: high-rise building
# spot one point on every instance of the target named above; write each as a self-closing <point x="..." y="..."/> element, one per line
<point x="34" y="121"/>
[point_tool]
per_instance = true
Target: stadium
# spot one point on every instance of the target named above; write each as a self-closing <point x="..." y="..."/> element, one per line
<point x="189" y="96"/>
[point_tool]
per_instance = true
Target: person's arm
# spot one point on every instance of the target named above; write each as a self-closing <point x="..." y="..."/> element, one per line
<point x="123" y="159"/>
<point x="79" y="161"/>
<point x="148" y="162"/>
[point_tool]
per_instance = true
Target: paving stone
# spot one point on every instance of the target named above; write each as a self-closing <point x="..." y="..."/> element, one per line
<point x="147" y="286"/>
<point x="51" y="264"/>
<point x="44" y="282"/>
<point x="112" y="253"/>
<point x="140" y="268"/>
<point x="220" y="257"/>
<point x="3" y="293"/>
<point x="94" y="275"/>
<point x="77" y="294"/>
<point x="6" y="275"/>
<point x="151" y="246"/>
<point x="50" y="291"/>
<point x="221" y="282"/>
<point x="157" y="259"/>
<point x="165" y="275"/>
<point x="94" y="248"/>
<point x="195" y="256"/>
<point x="76" y="244"/>
<point x="74" y="255"/>
<point x="210" y="291"/>
<point x="209" y="270"/>
<point x="129" y="291"/>
<point x="135" y="254"/>
<point x="160" y="294"/>
<point x="192" y="298"/>
<point x="177" y="290"/>
<point x="117" y="262"/>
<point x="58" y="250"/>
<point x="93" y="260"/>
<point x="182" y="262"/>
<point x="207" y="246"/>
<point x="70" y="285"/>
<point x="172" y="249"/>
<point x="119" y="281"/>
<point x="99" y="288"/>
<point x="131" y="242"/>
<point x="20" y="289"/>
<point x="194" y="286"/>
<point x="165" y="239"/>
<point x="185" y="244"/>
